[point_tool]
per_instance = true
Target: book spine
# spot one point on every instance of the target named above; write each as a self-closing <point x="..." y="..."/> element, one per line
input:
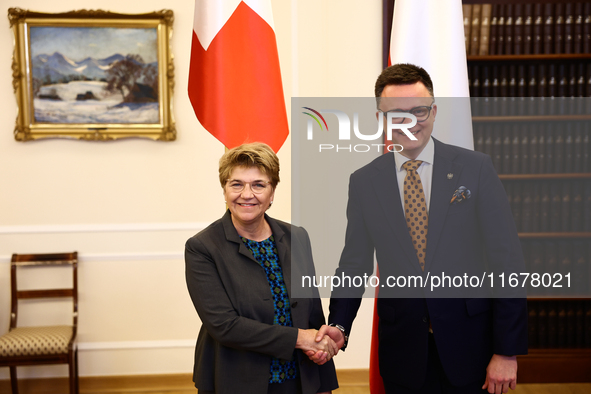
<point x="559" y="29"/>
<point x="525" y="149"/>
<point x="559" y="151"/>
<point x="552" y="324"/>
<point x="509" y="29"/>
<point x="538" y="30"/>
<point x="518" y="30"/>
<point x="467" y="15"/>
<point x="565" y="253"/>
<point x="543" y="324"/>
<point x="540" y="165"/>
<point x="569" y="20"/>
<point x="587" y="28"/>
<point x="562" y="324"/>
<point x="576" y="212"/>
<point x="545" y="207"/>
<point x="549" y="149"/>
<point x="580" y="269"/>
<point x="501" y="30"/>
<point x="542" y="89"/>
<point x="497" y="147"/>
<point x="527" y="206"/>
<point x="555" y="207"/>
<point x="578" y="29"/>
<point x="506" y="159"/>
<point x="565" y="219"/>
<point x="488" y="140"/>
<point x="587" y="208"/>
<point x="532" y="324"/>
<point x="548" y="28"/>
<point x="537" y="204"/>
<point x="492" y="37"/>
<point x="580" y="316"/>
<point x="528" y="22"/>
<point x="578" y="148"/>
<point x="568" y="147"/>
<point x="475" y="30"/>
<point x="532" y="91"/>
<point x="485" y="14"/>
<point x="517" y="206"/>
<point x="571" y="324"/>
<point x="587" y="335"/>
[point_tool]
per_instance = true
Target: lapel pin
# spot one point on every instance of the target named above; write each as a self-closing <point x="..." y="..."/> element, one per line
<point x="450" y="175"/>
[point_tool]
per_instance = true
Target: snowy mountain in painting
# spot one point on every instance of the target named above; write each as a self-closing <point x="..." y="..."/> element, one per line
<point x="58" y="67"/>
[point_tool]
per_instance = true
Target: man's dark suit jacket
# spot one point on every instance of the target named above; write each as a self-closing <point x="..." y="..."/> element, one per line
<point x="232" y="296"/>
<point x="475" y="234"/>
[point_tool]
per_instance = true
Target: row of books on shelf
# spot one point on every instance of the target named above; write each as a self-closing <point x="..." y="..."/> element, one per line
<point x="558" y="268"/>
<point x="522" y="29"/>
<point x="565" y="79"/>
<point x="559" y="324"/>
<point x="536" y="147"/>
<point x="550" y="206"/>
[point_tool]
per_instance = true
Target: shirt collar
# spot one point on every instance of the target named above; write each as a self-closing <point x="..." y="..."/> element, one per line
<point x="427" y="155"/>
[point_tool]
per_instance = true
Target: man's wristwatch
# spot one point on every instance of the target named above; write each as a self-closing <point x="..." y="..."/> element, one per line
<point x="341" y="329"/>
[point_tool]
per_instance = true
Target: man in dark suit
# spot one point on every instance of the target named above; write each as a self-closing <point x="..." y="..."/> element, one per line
<point x="432" y="344"/>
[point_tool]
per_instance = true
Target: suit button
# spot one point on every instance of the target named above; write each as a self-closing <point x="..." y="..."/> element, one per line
<point x="294" y="304"/>
<point x="425" y="319"/>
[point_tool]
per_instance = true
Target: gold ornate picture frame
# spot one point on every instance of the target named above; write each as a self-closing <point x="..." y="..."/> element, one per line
<point x="93" y="75"/>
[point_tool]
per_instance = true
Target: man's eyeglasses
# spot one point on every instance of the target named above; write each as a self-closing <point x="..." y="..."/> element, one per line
<point x="237" y="186"/>
<point x="421" y="113"/>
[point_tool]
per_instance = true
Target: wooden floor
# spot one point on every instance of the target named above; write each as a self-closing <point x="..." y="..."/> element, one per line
<point x="351" y="382"/>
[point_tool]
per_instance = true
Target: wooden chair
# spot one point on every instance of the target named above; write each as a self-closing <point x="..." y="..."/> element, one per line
<point x="41" y="344"/>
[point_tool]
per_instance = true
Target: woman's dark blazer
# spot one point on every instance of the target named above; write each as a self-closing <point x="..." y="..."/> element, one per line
<point x="231" y="294"/>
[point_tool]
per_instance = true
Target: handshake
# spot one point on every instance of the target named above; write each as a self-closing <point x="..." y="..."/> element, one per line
<point x="320" y="345"/>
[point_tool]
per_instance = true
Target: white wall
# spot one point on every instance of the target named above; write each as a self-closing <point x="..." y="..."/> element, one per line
<point x="128" y="206"/>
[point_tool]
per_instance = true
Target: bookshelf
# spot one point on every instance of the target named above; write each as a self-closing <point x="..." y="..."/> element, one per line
<point x="523" y="74"/>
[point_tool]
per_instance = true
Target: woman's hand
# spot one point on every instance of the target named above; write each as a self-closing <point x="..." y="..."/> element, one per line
<point x="324" y="349"/>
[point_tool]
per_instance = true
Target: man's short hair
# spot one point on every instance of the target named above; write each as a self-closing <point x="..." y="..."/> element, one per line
<point x="403" y="74"/>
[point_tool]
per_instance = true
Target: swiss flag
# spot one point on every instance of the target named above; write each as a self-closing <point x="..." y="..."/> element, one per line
<point x="438" y="46"/>
<point x="234" y="76"/>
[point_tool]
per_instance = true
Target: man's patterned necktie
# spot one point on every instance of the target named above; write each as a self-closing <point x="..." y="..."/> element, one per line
<point x="415" y="209"/>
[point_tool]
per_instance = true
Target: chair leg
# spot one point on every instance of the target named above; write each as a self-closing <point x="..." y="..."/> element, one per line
<point x="76" y="364"/>
<point x="13" y="380"/>
<point x="73" y="371"/>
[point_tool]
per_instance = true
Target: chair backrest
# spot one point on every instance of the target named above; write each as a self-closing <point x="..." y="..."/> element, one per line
<point x="43" y="260"/>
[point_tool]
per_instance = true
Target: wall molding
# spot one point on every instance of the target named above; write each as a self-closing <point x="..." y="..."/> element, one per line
<point x="102" y="228"/>
<point x="139" y="256"/>
<point x="129" y="345"/>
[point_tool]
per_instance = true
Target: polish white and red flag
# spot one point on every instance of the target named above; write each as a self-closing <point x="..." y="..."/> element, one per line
<point x="430" y="34"/>
<point x="234" y="77"/>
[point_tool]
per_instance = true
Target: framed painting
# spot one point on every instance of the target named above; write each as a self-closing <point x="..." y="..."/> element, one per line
<point x="93" y="75"/>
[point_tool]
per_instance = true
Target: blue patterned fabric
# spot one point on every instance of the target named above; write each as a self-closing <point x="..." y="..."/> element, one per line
<point x="265" y="253"/>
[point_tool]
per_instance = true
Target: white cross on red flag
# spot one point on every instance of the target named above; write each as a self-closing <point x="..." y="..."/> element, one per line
<point x="234" y="77"/>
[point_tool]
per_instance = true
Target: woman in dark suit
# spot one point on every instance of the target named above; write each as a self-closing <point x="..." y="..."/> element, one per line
<point x="238" y="271"/>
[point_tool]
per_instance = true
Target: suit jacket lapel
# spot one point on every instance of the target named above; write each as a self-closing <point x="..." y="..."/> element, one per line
<point x="386" y="187"/>
<point x="232" y="236"/>
<point x="442" y="190"/>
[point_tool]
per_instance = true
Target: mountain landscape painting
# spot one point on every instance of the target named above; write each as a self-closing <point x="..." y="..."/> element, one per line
<point x="94" y="75"/>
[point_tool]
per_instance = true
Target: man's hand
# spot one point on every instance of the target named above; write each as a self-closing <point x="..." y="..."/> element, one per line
<point x="501" y="374"/>
<point x="319" y="351"/>
<point x="334" y="333"/>
<point x="327" y="332"/>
